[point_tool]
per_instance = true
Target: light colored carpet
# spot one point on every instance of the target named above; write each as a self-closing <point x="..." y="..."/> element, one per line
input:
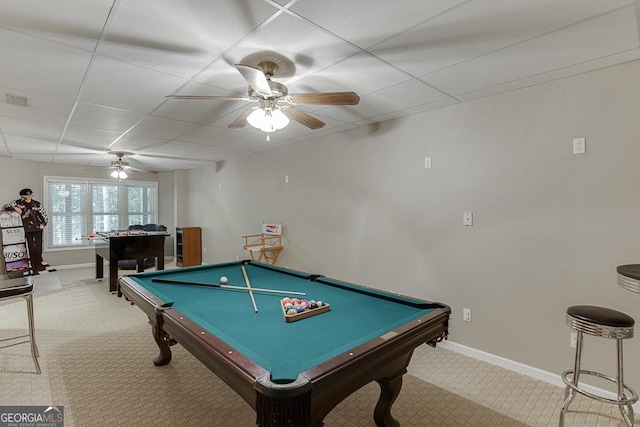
<point x="96" y="352"/>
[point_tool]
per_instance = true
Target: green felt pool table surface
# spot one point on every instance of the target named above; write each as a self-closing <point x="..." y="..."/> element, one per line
<point x="287" y="351"/>
<point x="284" y="349"/>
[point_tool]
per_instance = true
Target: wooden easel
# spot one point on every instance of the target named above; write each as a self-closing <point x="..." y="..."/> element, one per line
<point x="266" y="246"/>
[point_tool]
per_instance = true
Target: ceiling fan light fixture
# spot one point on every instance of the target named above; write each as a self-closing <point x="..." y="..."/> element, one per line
<point x="120" y="174"/>
<point x="268" y="120"/>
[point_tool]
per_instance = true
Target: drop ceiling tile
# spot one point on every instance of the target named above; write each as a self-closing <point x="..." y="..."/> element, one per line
<point x="304" y="47"/>
<point x="30" y="128"/>
<point x="104" y="118"/>
<point x="216" y="153"/>
<point x="45" y="109"/>
<point x="19" y="145"/>
<point x="555" y="74"/>
<point x="26" y="65"/>
<point x="176" y="149"/>
<point x="361" y="73"/>
<point x="136" y="142"/>
<point x="180" y="38"/>
<point x="579" y="43"/>
<point x="117" y="84"/>
<point x="210" y="136"/>
<point x="89" y="138"/>
<point x="158" y="127"/>
<point x="274" y="143"/>
<point x="245" y="142"/>
<point x="354" y="20"/>
<point x="481" y="27"/>
<point x="34" y="157"/>
<point x="169" y="165"/>
<point x="68" y="22"/>
<point x="74" y="159"/>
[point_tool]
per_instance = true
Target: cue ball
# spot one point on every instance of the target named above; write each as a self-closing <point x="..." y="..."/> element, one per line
<point x="223" y="280"/>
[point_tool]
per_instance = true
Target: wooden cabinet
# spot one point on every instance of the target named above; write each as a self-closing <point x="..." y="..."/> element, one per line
<point x="188" y="246"/>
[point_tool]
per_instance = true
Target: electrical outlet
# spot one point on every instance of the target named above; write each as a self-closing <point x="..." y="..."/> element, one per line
<point x="204" y="250"/>
<point x="286" y="179"/>
<point x="466" y="314"/>
<point x="573" y="341"/>
<point x="579" y="146"/>
<point x="427" y="162"/>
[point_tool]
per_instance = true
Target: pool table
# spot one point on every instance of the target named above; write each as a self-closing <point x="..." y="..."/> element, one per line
<point x="290" y="373"/>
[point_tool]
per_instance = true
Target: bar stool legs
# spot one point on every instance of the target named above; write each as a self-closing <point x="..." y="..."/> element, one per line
<point x="627" y="416"/>
<point x="606" y="323"/>
<point x="32" y="332"/>
<point x="569" y="392"/>
<point x="23" y="287"/>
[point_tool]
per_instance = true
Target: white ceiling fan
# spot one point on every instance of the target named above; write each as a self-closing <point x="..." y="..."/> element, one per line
<point x="120" y="167"/>
<point x="270" y="115"/>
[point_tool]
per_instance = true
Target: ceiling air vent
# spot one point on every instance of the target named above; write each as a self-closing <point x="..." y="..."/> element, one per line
<point x="20" y="101"/>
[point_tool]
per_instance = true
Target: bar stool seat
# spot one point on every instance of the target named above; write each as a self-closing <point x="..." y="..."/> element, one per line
<point x="16" y="288"/>
<point x="606" y="323"/>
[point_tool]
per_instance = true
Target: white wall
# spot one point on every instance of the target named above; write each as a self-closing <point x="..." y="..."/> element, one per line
<point x="549" y="227"/>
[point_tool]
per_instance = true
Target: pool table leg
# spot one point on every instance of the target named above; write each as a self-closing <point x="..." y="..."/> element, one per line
<point x="390" y="385"/>
<point x="162" y="341"/>
<point x="389" y="391"/>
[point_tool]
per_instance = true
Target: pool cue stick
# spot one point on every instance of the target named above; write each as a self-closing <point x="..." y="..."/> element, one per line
<point x="215" y="285"/>
<point x="246" y="280"/>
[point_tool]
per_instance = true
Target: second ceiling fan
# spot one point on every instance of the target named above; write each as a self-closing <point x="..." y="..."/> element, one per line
<point x="269" y="116"/>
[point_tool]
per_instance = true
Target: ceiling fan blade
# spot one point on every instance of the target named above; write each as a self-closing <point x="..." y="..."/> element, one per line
<point x="303" y="118"/>
<point x="327" y="98"/>
<point x="256" y="78"/>
<point x="141" y="170"/>
<point x="209" y="97"/>
<point x="241" y="121"/>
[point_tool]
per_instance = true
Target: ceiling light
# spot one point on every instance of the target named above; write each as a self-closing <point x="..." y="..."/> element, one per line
<point x="268" y="118"/>
<point x="120" y="174"/>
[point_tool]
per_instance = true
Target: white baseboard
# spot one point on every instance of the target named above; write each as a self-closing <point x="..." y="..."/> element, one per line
<point x="70" y="266"/>
<point x="521" y="368"/>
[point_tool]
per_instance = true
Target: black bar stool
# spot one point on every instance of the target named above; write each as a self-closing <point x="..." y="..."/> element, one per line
<point x="605" y="323"/>
<point x="629" y="277"/>
<point x="22" y="287"/>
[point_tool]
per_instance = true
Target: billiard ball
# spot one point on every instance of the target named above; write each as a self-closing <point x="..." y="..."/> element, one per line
<point x="223" y="279"/>
<point x="291" y="311"/>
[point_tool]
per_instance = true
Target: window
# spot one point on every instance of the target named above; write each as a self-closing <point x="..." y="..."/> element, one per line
<point x="78" y="207"/>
